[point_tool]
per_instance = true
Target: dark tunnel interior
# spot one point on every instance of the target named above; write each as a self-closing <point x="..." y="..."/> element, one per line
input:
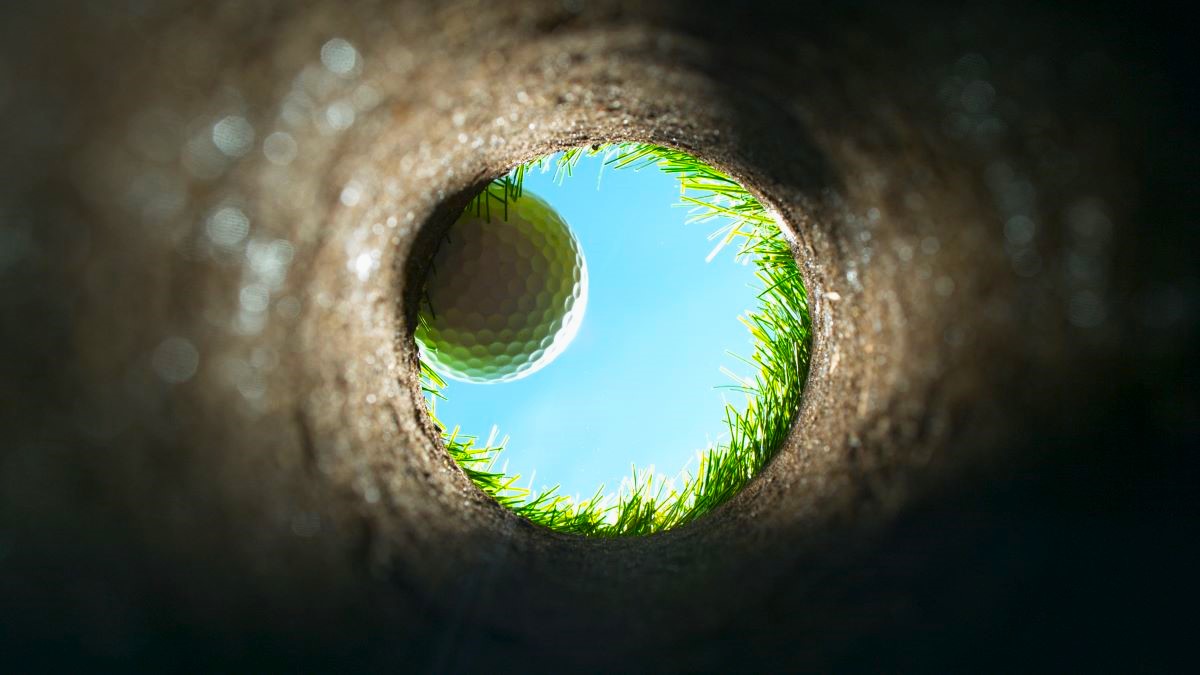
<point x="215" y="453"/>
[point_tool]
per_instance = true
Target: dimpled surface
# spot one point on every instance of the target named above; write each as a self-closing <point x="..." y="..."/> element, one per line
<point x="503" y="297"/>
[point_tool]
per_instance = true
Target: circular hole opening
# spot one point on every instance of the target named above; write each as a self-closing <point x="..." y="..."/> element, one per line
<point x="528" y="267"/>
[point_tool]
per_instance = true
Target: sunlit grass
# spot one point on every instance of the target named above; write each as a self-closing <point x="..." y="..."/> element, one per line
<point x="647" y="502"/>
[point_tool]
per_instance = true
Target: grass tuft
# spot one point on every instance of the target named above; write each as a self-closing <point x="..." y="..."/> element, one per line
<point x="646" y="503"/>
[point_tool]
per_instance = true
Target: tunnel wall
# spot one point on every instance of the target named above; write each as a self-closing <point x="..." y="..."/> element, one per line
<point x="217" y="450"/>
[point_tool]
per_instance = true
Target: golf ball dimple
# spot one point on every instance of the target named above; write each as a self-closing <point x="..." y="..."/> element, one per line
<point x="503" y="297"/>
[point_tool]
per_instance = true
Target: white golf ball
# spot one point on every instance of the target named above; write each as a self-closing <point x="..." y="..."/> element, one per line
<point x="503" y="297"/>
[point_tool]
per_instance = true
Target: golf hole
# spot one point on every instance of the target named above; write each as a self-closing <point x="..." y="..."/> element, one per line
<point x="613" y="340"/>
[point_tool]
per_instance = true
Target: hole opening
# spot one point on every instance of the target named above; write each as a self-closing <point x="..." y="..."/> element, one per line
<point x="780" y="325"/>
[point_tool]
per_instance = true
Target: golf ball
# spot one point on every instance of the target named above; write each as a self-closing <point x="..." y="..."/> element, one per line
<point x="504" y="296"/>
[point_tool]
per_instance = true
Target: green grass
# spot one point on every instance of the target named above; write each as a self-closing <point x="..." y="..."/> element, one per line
<point x="781" y="328"/>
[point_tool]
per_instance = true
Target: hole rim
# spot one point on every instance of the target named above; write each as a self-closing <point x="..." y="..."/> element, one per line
<point x="414" y="263"/>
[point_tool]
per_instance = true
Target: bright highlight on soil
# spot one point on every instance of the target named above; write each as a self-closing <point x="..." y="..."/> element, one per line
<point x="506" y="294"/>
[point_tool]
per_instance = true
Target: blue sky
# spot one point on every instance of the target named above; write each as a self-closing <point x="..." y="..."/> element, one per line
<point x="637" y="386"/>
